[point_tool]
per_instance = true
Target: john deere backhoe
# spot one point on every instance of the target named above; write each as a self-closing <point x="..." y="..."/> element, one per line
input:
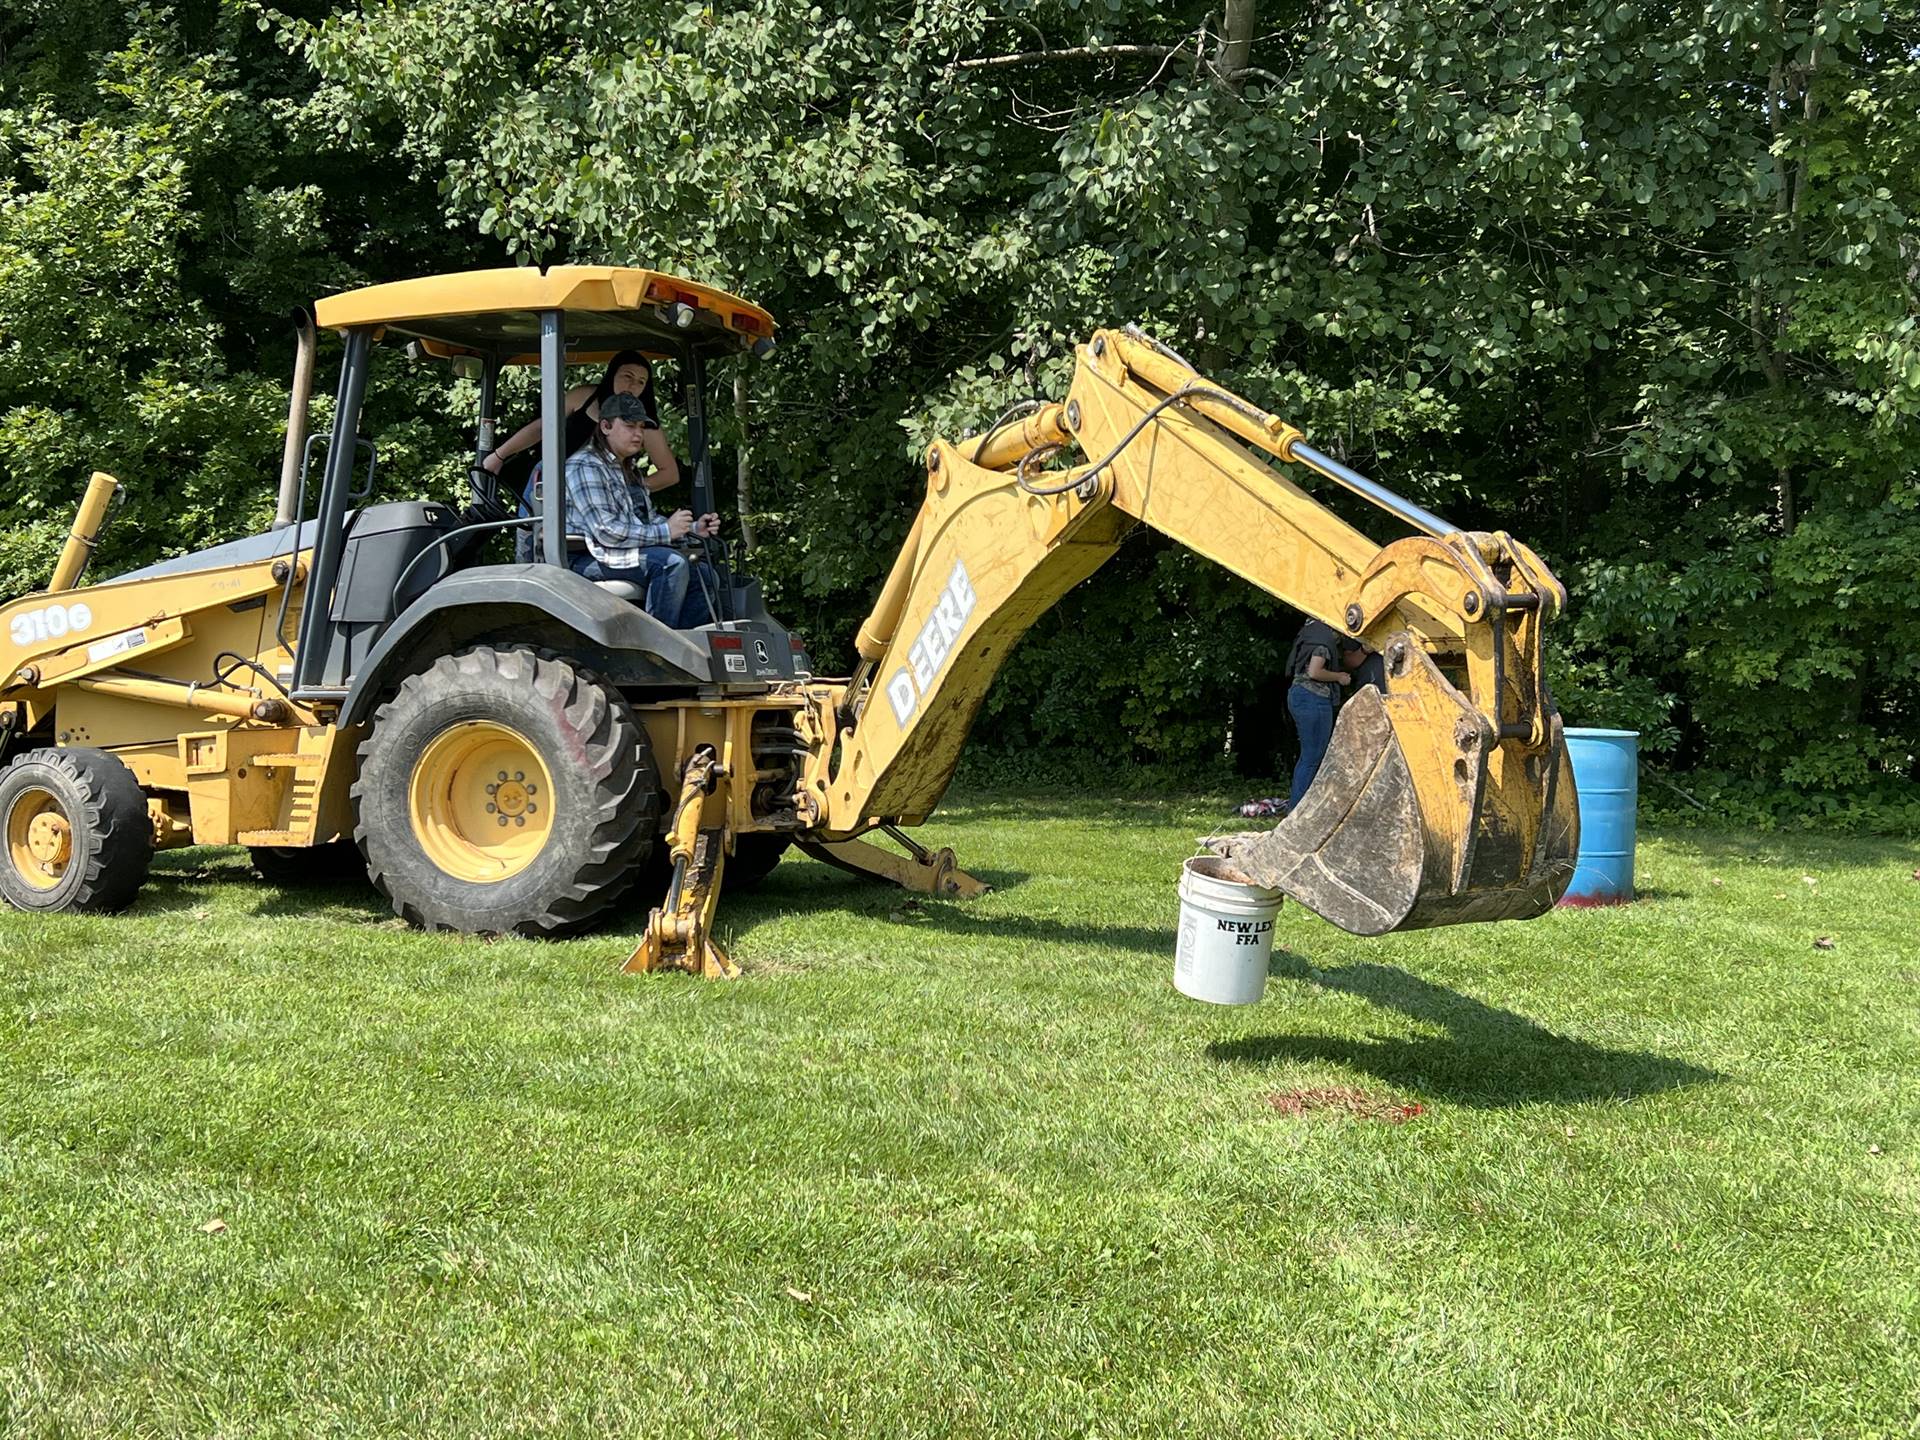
<point x="512" y="747"/>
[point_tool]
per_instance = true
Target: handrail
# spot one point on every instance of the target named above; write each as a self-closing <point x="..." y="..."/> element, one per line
<point x="450" y="536"/>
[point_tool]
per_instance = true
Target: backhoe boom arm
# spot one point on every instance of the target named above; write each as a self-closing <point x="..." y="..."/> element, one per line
<point x="1445" y="798"/>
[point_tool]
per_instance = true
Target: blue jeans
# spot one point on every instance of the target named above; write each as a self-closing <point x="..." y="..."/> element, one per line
<point x="675" y="587"/>
<point x="1313" y="717"/>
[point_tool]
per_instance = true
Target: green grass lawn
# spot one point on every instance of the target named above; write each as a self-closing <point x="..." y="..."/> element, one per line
<point x="934" y="1167"/>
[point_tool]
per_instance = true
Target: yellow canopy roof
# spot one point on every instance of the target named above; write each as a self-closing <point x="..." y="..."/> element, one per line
<point x="497" y="312"/>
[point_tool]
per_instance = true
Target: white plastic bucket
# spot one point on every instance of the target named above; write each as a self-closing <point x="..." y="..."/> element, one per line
<point x="1226" y="934"/>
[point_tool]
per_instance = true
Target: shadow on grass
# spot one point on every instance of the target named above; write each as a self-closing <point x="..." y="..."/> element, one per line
<point x="204" y="863"/>
<point x="182" y="883"/>
<point x="181" y="880"/>
<point x="1489" y="1057"/>
<point x="997" y="879"/>
<point x="825" y="877"/>
<point x="819" y="890"/>
<point x="277" y="901"/>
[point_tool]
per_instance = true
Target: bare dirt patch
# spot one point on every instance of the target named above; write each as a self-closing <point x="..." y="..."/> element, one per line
<point x="1345" y="1100"/>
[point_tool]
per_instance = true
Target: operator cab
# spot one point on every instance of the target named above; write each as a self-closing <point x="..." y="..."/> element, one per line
<point x="382" y="564"/>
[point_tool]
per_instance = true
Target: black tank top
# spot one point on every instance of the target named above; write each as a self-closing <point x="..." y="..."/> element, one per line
<point x="580" y="427"/>
<point x="517" y="470"/>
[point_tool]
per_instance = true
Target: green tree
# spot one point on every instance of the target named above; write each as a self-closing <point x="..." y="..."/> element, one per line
<point x="167" y="198"/>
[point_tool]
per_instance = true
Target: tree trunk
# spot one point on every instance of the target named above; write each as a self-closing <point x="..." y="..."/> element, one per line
<point x="1235" y="50"/>
<point x="1769" y="308"/>
<point x="743" y="484"/>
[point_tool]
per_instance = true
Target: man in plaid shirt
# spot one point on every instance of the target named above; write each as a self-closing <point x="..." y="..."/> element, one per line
<point x="627" y="538"/>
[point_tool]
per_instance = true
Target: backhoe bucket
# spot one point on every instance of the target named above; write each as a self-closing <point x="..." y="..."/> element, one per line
<point x="1417" y="818"/>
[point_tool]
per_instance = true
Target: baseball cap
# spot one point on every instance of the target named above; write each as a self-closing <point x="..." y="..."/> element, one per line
<point x="625" y="407"/>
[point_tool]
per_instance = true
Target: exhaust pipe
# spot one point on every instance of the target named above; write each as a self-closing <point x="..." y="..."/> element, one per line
<point x="78" y="550"/>
<point x="305" y="344"/>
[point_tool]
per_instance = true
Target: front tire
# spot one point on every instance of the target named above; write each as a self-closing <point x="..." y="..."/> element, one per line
<point x="76" y="831"/>
<point x="504" y="792"/>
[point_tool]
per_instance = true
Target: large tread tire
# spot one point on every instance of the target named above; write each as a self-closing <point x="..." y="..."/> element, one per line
<point x="604" y="809"/>
<point x="110" y="834"/>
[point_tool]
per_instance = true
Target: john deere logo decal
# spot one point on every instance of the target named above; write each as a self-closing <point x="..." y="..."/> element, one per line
<point x="933" y="645"/>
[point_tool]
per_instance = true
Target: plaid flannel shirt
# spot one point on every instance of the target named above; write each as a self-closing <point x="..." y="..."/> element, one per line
<point x="613" y="510"/>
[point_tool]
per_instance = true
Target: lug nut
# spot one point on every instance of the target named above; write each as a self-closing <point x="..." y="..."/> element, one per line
<point x="520" y="820"/>
<point x="519" y="775"/>
<point x="503" y="819"/>
<point x="502" y="775"/>
<point x="493" y="789"/>
<point x="490" y="807"/>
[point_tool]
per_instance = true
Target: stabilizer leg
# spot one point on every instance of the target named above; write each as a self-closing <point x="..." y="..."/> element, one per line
<point x="680" y="932"/>
<point x="923" y="871"/>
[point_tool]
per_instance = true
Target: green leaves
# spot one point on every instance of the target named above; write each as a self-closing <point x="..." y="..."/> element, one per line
<point x="1514" y="267"/>
<point x="166" y="199"/>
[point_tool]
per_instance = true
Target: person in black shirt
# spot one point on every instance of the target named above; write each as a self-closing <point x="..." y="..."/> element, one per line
<point x="628" y="373"/>
<point x="1312" y="697"/>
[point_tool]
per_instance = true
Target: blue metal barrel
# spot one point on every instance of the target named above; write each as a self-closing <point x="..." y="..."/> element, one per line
<point x="1606" y="772"/>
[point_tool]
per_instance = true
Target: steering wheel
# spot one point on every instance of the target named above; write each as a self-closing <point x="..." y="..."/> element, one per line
<point x="484" y="487"/>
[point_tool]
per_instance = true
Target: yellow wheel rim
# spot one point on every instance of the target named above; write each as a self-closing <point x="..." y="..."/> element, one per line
<point x="481" y="801"/>
<point x="39" y="838"/>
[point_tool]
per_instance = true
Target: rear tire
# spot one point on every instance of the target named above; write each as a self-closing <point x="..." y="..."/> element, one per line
<point x="76" y="832"/>
<point x="505" y="792"/>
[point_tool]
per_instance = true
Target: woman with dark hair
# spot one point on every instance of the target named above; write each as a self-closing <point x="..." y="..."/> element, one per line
<point x="628" y="373"/>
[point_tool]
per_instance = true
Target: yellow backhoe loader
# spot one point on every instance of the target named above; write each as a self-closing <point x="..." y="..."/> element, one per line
<point x="511" y="747"/>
